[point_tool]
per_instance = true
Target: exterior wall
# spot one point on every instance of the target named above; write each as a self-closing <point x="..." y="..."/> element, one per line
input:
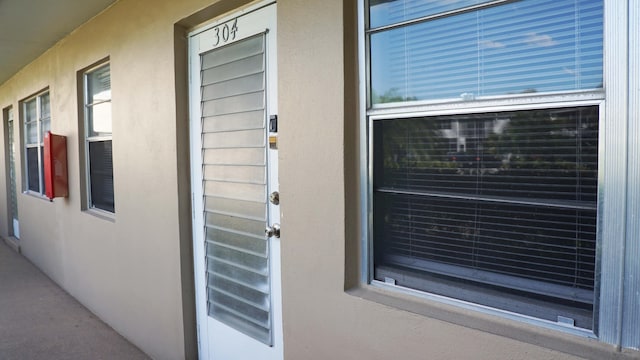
<point x="128" y="270"/>
<point x="134" y="272"/>
<point x="319" y="179"/>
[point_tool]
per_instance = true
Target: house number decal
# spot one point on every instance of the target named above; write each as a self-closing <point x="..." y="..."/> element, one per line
<point x="225" y="32"/>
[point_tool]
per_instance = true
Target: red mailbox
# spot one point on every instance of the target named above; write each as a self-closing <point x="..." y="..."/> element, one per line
<point x="56" y="183"/>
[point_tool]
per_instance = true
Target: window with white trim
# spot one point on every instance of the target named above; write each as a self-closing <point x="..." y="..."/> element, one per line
<point x="483" y="123"/>
<point x="36" y="116"/>
<point x="98" y="142"/>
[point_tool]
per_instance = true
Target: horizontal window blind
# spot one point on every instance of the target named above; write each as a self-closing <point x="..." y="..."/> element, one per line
<point x="101" y="175"/>
<point x="387" y="12"/>
<point x="523" y="46"/>
<point x="506" y="199"/>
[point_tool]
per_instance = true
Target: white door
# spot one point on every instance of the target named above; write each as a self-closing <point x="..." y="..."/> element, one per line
<point x="235" y="182"/>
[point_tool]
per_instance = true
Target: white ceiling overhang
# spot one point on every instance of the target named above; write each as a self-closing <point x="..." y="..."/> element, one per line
<point x="29" y="27"/>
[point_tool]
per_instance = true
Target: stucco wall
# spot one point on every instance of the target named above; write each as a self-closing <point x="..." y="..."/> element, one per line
<point x="319" y="177"/>
<point x="128" y="271"/>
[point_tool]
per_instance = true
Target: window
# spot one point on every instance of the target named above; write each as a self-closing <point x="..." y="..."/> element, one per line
<point x="98" y="146"/>
<point x="37" y="121"/>
<point x="483" y="121"/>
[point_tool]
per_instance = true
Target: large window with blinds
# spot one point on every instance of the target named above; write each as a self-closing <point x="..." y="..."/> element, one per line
<point x="483" y="132"/>
<point x="98" y="143"/>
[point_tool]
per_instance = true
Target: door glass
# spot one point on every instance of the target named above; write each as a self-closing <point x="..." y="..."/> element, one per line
<point x="235" y="188"/>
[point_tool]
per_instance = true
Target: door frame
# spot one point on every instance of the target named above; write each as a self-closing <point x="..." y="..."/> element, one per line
<point x="194" y="50"/>
<point x="13" y="228"/>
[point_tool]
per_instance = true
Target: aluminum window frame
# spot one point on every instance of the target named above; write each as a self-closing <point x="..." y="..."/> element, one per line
<point x="39" y="144"/>
<point x="88" y="139"/>
<point x="616" y="154"/>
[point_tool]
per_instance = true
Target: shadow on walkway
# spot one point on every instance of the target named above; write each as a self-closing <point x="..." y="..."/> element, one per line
<point x="39" y="320"/>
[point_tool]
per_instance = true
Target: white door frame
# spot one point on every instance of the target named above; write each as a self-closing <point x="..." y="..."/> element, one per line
<point x="213" y="36"/>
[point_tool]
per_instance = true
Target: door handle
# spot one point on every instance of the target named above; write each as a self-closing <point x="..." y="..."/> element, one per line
<point x="273" y="230"/>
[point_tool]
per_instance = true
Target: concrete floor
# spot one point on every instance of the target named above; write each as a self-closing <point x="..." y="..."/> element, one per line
<point x="39" y="320"/>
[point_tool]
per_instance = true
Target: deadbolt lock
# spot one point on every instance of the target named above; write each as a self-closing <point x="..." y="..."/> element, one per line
<point x="274" y="197"/>
<point x="273" y="230"/>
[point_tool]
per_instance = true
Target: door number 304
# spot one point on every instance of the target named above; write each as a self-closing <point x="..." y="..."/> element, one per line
<point x="225" y="32"/>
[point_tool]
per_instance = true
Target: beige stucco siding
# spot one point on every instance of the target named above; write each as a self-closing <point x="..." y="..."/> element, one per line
<point x="126" y="270"/>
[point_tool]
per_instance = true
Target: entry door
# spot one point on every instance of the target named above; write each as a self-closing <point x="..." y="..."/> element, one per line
<point x="235" y="184"/>
<point x="11" y="174"/>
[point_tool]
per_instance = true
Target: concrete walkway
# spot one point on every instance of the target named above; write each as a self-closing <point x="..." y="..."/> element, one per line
<point x="39" y="320"/>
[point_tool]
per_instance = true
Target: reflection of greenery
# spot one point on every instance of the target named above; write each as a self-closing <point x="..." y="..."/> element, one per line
<point x="543" y="140"/>
<point x="391" y="95"/>
<point x="413" y="143"/>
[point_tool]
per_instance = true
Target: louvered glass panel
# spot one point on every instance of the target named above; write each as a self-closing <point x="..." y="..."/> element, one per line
<point x="235" y="190"/>
<point x="237" y="139"/>
<point x="258" y="298"/>
<point x="248" y="277"/>
<point x="255" y="244"/>
<point x="238" y="69"/>
<point x="240" y="191"/>
<point x="241" y="208"/>
<point x="519" y="47"/>
<point x="506" y="199"/>
<point x="252" y="174"/>
<point x="237" y="121"/>
<point x="249" y="157"/>
<point x="246" y="84"/>
<point x="234" y="104"/>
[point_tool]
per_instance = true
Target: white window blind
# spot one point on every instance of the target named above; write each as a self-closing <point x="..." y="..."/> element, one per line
<point x="520" y="47"/>
<point x="513" y="206"/>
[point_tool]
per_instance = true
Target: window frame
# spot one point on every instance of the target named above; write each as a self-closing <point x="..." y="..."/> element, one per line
<point x="87" y="139"/>
<point x="479" y="107"/>
<point x="39" y="145"/>
<point x="613" y="180"/>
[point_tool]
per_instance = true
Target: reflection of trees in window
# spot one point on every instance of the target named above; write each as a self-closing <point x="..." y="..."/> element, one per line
<point x="520" y="202"/>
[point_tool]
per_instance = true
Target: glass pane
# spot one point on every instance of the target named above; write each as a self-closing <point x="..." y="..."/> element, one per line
<point x="541" y="154"/>
<point x="45" y="108"/>
<point x="504" y="199"/>
<point x="240" y="50"/>
<point x="234" y="104"/>
<point x="44" y="127"/>
<point x="33" y="171"/>
<point x="244" y="67"/>
<point x="253" y="244"/>
<point x="237" y="121"/>
<point x="245" y="84"/>
<point x="101" y="175"/>
<point x="99" y="85"/>
<point x="32" y="133"/>
<point x="30" y="111"/>
<point x="234" y="139"/>
<point x="520" y="47"/>
<point x="253" y="174"/>
<point x="99" y="117"/>
<point x="386" y="12"/>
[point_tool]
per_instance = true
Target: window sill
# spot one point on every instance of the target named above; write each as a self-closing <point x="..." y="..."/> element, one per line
<point x="101" y="214"/>
<point x="36" y="195"/>
<point x="583" y="346"/>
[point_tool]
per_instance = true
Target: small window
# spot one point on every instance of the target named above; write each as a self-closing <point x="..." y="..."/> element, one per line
<point x="37" y="121"/>
<point x="98" y="143"/>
